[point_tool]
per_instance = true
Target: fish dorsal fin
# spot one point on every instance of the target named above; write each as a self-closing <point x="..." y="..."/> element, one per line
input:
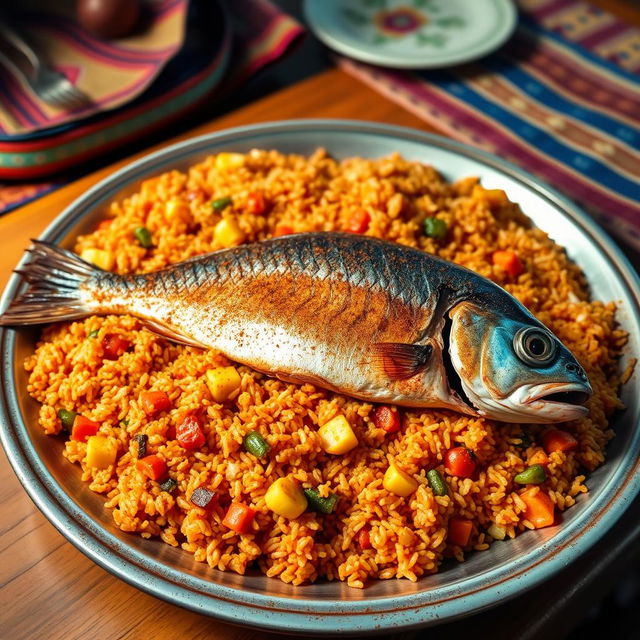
<point x="399" y="360"/>
<point x="172" y="334"/>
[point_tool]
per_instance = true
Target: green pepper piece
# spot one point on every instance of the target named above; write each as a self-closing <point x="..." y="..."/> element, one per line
<point x="67" y="418"/>
<point x="254" y="443"/>
<point x="531" y="475"/>
<point x="168" y="485"/>
<point x="437" y="484"/>
<point x="320" y="504"/>
<point x="221" y="203"/>
<point x="93" y="334"/>
<point x="435" y="228"/>
<point x="143" y="236"/>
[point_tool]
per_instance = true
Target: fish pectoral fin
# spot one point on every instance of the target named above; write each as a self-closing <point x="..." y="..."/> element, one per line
<point x="172" y="334"/>
<point x="399" y="360"/>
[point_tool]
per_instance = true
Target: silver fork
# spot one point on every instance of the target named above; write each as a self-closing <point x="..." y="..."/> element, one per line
<point x="50" y="86"/>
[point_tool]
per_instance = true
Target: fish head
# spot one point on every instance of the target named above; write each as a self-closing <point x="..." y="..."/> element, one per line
<point x="513" y="368"/>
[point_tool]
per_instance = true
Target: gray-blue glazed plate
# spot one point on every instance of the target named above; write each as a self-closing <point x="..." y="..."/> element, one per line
<point x="486" y="578"/>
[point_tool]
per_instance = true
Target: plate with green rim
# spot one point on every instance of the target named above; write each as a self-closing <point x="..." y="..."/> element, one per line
<point x="486" y="578"/>
<point x="412" y="34"/>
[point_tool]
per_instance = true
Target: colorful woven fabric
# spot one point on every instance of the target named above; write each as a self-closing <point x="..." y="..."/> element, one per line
<point x="560" y="99"/>
<point x="111" y="73"/>
<point x="261" y="33"/>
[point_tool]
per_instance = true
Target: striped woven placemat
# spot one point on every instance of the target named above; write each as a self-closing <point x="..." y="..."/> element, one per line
<point x="561" y="99"/>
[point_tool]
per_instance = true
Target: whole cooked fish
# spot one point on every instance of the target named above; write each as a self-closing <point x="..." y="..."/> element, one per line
<point x="358" y="315"/>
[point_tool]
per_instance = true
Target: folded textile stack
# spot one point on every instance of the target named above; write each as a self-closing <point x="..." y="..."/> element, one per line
<point x="134" y="85"/>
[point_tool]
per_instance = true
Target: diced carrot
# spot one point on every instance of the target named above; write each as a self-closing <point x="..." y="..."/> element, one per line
<point x="359" y="221"/>
<point x="105" y="224"/>
<point x="239" y="517"/>
<point x="460" y="531"/>
<point x="364" y="538"/>
<point x="540" y="511"/>
<point x="114" y="345"/>
<point x="557" y="440"/>
<point x="538" y="457"/>
<point x="282" y="230"/>
<point x="83" y="428"/>
<point x="460" y="462"/>
<point x="387" y="418"/>
<point x="153" y="466"/>
<point x="189" y="432"/>
<point x="256" y="203"/>
<point x="508" y="261"/>
<point x="154" y="402"/>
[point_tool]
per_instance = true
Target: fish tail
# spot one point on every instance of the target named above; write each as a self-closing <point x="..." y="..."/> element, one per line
<point x="55" y="277"/>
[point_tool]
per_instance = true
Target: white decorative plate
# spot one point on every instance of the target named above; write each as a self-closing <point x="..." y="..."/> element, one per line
<point x="412" y="34"/>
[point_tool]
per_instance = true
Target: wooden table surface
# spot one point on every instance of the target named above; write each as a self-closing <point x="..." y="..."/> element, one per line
<point x="50" y="590"/>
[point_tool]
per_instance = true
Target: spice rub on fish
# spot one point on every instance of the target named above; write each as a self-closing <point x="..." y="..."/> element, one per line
<point x="361" y="316"/>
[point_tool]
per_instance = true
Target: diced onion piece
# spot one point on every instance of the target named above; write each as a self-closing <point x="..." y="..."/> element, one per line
<point x="398" y="481"/>
<point x="101" y="452"/>
<point x="497" y="532"/>
<point x="285" y="498"/>
<point x="337" y="437"/>
<point x="101" y="258"/>
<point x="176" y="210"/>
<point x="223" y="382"/>
<point x="227" y="161"/>
<point x="227" y="233"/>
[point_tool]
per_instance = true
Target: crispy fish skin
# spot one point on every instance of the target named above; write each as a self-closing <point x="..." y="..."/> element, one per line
<point x="308" y="307"/>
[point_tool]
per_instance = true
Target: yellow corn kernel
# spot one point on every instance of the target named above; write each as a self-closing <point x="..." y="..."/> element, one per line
<point x="100" y="257"/>
<point x="494" y="197"/>
<point x="227" y="233"/>
<point x="398" y="481"/>
<point x="101" y="452"/>
<point x="286" y="498"/>
<point x="336" y="436"/>
<point x="226" y="161"/>
<point x="222" y="382"/>
<point x="177" y="210"/>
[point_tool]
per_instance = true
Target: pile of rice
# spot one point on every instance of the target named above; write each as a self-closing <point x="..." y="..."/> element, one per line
<point x="408" y="535"/>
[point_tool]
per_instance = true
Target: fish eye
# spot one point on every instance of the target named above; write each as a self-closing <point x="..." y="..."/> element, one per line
<point x="534" y="346"/>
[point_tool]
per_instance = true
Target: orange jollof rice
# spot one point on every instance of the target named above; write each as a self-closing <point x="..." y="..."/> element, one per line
<point x="408" y="535"/>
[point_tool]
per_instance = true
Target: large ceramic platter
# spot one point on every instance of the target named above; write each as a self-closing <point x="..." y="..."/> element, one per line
<point x="486" y="578"/>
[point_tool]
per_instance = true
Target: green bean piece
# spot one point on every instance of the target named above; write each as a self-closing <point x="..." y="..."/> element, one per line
<point x="93" y="334"/>
<point x="525" y="440"/>
<point x="168" y="485"/>
<point x="254" y="443"/>
<point x="531" y="475"/>
<point x="67" y="418"/>
<point x="142" y="440"/>
<point x="437" y="484"/>
<point x="143" y="236"/>
<point x="435" y="228"/>
<point x="320" y="504"/>
<point x="221" y="203"/>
